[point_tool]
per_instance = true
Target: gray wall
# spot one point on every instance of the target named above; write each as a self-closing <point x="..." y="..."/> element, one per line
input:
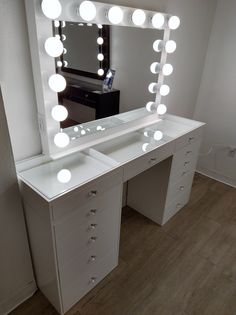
<point x="216" y="103"/>
<point x="16" y="275"/>
<point x="16" y="73"/>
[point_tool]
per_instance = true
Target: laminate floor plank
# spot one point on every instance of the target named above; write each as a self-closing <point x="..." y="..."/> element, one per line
<point x="187" y="267"/>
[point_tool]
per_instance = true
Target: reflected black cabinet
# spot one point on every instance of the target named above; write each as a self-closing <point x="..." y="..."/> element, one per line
<point x="87" y="103"/>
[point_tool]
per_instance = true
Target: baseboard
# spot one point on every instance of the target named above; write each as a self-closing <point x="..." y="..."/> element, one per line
<point x="218" y="177"/>
<point x="17" y="298"/>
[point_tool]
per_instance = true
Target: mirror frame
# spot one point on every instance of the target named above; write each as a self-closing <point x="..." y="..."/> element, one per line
<point x="105" y="49"/>
<point x="44" y="67"/>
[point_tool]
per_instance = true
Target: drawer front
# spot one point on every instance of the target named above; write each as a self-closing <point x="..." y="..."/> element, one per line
<point x="189" y="138"/>
<point x="148" y="160"/>
<point x="189" y="152"/>
<point x="97" y="231"/>
<point x="176" y="205"/>
<point x="73" y="291"/>
<point x="175" y="190"/>
<point x="65" y="205"/>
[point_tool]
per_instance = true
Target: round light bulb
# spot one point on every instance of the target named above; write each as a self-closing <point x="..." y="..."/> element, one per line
<point x="138" y="17"/>
<point x="99" y="128"/>
<point x="100" y="41"/>
<point x="83" y="132"/>
<point x="76" y="129"/>
<point x="161" y="109"/>
<point x="61" y="140"/>
<point x="100" y="26"/>
<point x="53" y="47"/>
<point x="158" y="20"/>
<point x="56" y="23"/>
<point x="145" y="147"/>
<point x="87" y="10"/>
<point x="170" y="46"/>
<point x="152" y="88"/>
<point x="63" y="24"/>
<point x="57" y="83"/>
<point x="155" y="67"/>
<point x="158" y="45"/>
<point x="59" y="64"/>
<point x="51" y="8"/>
<point x="59" y="113"/>
<point x="158" y="135"/>
<point x="150" y="106"/>
<point x="100" y="57"/>
<point x="164" y="90"/>
<point x="65" y="63"/>
<point x="63" y="37"/>
<point x="64" y="176"/>
<point x="174" y="22"/>
<point x="167" y="69"/>
<point x="115" y="15"/>
<point x="100" y="72"/>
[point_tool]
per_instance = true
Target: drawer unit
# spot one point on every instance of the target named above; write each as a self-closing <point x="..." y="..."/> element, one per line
<point x="148" y="160"/>
<point x="69" y="203"/>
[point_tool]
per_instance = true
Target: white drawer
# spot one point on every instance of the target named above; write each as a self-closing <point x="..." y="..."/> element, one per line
<point x="176" y="205"/>
<point x="176" y="189"/>
<point x="98" y="231"/>
<point x="70" y="202"/>
<point x="188" y="138"/>
<point x="148" y="160"/>
<point x="73" y="291"/>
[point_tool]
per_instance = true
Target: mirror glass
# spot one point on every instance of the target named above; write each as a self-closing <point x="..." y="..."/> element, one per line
<point x="131" y="55"/>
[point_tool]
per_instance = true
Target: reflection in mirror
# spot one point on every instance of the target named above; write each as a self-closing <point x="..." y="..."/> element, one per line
<point x="136" y="66"/>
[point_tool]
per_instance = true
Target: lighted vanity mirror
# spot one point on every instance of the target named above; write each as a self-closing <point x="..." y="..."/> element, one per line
<point x="88" y="104"/>
<point x="140" y="68"/>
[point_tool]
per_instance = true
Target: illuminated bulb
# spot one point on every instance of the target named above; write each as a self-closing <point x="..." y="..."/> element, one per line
<point x="138" y="17"/>
<point x="63" y="24"/>
<point x="81" y="24"/>
<point x="53" y="47"/>
<point x="59" y="64"/>
<point x="145" y="147"/>
<point x="164" y="90"/>
<point x="89" y="24"/>
<point x="59" y="113"/>
<point x="155" y="67"/>
<point x="158" y="45"/>
<point x="158" y="135"/>
<point x="161" y="109"/>
<point x="153" y="87"/>
<point x="150" y="106"/>
<point x="83" y="132"/>
<point x="65" y="63"/>
<point x="63" y="37"/>
<point x="100" y="26"/>
<point x="87" y="10"/>
<point x="56" y="23"/>
<point x="158" y="20"/>
<point x="76" y="129"/>
<point x="115" y="15"/>
<point x="61" y="140"/>
<point x="100" y="72"/>
<point x="57" y="83"/>
<point x="147" y="133"/>
<point x="100" y="57"/>
<point x="51" y="9"/>
<point x="167" y="69"/>
<point x="64" y="176"/>
<point x="170" y="46"/>
<point x="100" y="41"/>
<point x="174" y="22"/>
<point x="58" y="36"/>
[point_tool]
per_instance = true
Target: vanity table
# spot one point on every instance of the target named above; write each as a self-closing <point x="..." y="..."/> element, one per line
<point x="89" y="102"/>
<point x="74" y="227"/>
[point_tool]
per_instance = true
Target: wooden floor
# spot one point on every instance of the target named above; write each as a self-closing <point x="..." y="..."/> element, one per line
<point x="186" y="267"/>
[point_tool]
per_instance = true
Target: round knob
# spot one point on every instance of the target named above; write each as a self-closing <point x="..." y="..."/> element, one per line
<point x="188" y="152"/>
<point x="93" y="280"/>
<point x="93" y="193"/>
<point x="184" y="173"/>
<point x="190" y="139"/>
<point x="152" y="160"/>
<point x="186" y="163"/>
<point x="93" y="239"/>
<point x="92" y="227"/>
<point x="93" y="258"/>
<point x="93" y="211"/>
<point x="178" y="205"/>
<point x="181" y="188"/>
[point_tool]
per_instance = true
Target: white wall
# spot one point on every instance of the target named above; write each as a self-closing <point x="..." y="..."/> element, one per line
<point x="17" y="80"/>
<point x="216" y="103"/>
<point x="16" y="74"/>
<point x="16" y="275"/>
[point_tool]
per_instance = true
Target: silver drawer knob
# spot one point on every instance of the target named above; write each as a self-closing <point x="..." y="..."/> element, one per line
<point x="93" y="258"/>
<point x="92" y="227"/>
<point x="93" y="239"/>
<point x="184" y="173"/>
<point x="93" y="193"/>
<point x="152" y="160"/>
<point x="93" y="280"/>
<point x="93" y="211"/>
<point x="190" y="139"/>
<point x="188" y="152"/>
<point x="178" y="206"/>
<point x="186" y="163"/>
<point x="181" y="188"/>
